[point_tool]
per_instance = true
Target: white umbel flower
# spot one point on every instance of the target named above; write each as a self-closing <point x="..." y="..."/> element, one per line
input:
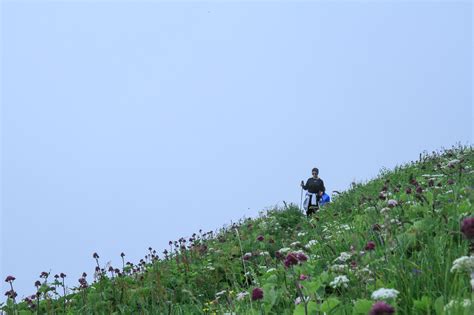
<point x="382" y="294"/>
<point x="343" y="257"/>
<point x="464" y="263"/>
<point x="242" y="295"/>
<point x="339" y="281"/>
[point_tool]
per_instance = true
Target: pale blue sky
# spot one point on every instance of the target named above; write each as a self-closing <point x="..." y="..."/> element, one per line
<point x="128" y="125"/>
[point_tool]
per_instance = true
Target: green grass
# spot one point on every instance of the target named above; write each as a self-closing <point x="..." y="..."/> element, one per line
<point x="416" y="242"/>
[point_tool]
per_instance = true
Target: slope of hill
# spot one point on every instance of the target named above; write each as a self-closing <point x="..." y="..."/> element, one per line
<point x="398" y="243"/>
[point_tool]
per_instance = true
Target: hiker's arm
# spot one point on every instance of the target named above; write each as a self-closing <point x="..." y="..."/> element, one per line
<point x="305" y="187"/>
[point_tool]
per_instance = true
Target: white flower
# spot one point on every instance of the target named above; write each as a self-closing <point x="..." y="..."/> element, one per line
<point x="463" y="263"/>
<point x="271" y="270"/>
<point x="210" y="268"/>
<point x="345" y="227"/>
<point x="221" y="292"/>
<point x="264" y="254"/>
<point x="339" y="281"/>
<point x="312" y="243"/>
<point x="242" y="295"/>
<point x="382" y="294"/>
<point x="295" y="244"/>
<point x="385" y="210"/>
<point x="284" y="250"/>
<point x="343" y="257"/>
<point x="453" y="162"/>
<point x="301" y="234"/>
<point x="456" y="304"/>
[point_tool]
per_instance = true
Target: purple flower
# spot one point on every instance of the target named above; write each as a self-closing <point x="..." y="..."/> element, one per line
<point x="260" y="238"/>
<point x="301" y="257"/>
<point x="381" y="308"/>
<point x="10" y="279"/>
<point x="303" y="277"/>
<point x="62" y="275"/>
<point x="257" y="294"/>
<point x="247" y="256"/>
<point x="467" y="227"/>
<point x="37" y="283"/>
<point x="290" y="260"/>
<point x="408" y="190"/>
<point x="382" y="196"/>
<point x="450" y="181"/>
<point x="370" y="245"/>
<point x="431" y="182"/>
<point x="419" y="189"/>
<point x="95" y="256"/>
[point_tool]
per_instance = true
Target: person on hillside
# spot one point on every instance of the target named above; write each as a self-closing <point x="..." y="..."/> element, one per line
<point x="315" y="189"/>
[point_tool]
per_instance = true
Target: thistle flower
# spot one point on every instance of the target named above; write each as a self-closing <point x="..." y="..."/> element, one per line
<point x="467" y="228"/>
<point x="381" y="308"/>
<point x="37" y="283"/>
<point x="62" y="275"/>
<point x="290" y="260"/>
<point x="301" y="256"/>
<point x="95" y="256"/>
<point x="370" y="245"/>
<point x="10" y="279"/>
<point x="260" y="238"/>
<point x="257" y="294"/>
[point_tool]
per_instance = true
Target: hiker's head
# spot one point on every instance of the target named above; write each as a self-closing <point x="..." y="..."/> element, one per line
<point x="315" y="172"/>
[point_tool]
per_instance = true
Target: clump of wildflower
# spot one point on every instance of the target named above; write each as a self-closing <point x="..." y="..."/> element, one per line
<point x="247" y="256"/>
<point x="381" y="308"/>
<point x="301" y="256"/>
<point x="311" y="243"/>
<point x="383" y="294"/>
<point x="463" y="263"/>
<point x="343" y="257"/>
<point x="338" y="268"/>
<point x="467" y="228"/>
<point x="339" y="281"/>
<point x="466" y="303"/>
<point x="257" y="294"/>
<point x="370" y="245"/>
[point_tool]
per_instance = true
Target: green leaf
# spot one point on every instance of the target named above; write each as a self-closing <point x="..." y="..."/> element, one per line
<point x="312" y="308"/>
<point x="362" y="306"/>
<point x="329" y="304"/>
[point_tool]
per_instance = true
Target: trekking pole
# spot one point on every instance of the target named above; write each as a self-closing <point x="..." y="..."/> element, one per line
<point x="301" y="200"/>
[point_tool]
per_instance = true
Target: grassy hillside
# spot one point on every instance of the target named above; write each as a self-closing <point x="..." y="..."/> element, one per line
<point x="393" y="239"/>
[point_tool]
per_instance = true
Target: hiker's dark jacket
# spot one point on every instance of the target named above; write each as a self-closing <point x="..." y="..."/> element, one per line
<point x="314" y="185"/>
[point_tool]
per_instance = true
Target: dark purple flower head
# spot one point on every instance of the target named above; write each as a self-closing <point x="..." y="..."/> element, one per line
<point x="95" y="256"/>
<point x="37" y="283"/>
<point x="44" y="274"/>
<point x="301" y="257"/>
<point x="419" y="189"/>
<point x="10" y="279"/>
<point x="122" y="255"/>
<point x="381" y="308"/>
<point x="450" y="181"/>
<point x="11" y="294"/>
<point x="408" y="190"/>
<point x="247" y="256"/>
<point x="467" y="228"/>
<point x="97" y="268"/>
<point x="290" y="260"/>
<point x="370" y="245"/>
<point x="431" y="182"/>
<point x="278" y="255"/>
<point x="382" y="196"/>
<point x="111" y="269"/>
<point x="260" y="238"/>
<point x="84" y="274"/>
<point x="62" y="275"/>
<point x="257" y="294"/>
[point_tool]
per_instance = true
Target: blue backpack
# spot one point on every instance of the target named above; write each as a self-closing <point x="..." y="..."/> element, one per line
<point x="324" y="199"/>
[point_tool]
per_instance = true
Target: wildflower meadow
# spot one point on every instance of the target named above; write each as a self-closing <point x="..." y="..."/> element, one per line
<point x="401" y="243"/>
